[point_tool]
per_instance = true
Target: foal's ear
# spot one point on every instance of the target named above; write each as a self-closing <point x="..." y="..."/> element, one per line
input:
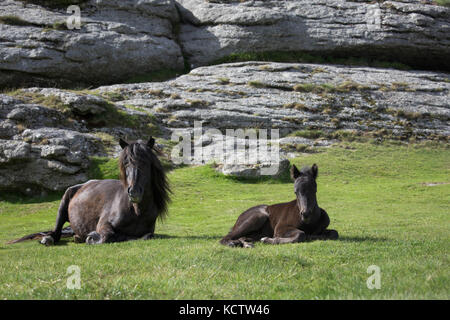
<point x="123" y="143"/>
<point x="294" y="172"/>
<point x="315" y="170"/>
<point x="151" y="142"/>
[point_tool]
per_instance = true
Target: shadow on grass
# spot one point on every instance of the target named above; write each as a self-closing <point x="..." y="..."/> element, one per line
<point x="218" y="237"/>
<point x="19" y="198"/>
<point x="363" y="239"/>
<point x="190" y="237"/>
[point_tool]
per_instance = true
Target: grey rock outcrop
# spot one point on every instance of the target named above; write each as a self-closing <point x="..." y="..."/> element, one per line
<point x="122" y="39"/>
<point x="117" y="40"/>
<point x="412" y="32"/>
<point x="292" y="97"/>
<point x="37" y="152"/>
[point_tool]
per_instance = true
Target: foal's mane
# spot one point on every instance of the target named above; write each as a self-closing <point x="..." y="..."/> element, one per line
<point x="138" y="153"/>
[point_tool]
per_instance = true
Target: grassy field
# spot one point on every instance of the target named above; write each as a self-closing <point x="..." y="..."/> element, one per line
<point x="377" y="196"/>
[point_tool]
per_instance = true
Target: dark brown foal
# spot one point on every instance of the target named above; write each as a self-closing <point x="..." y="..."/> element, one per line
<point x="295" y="221"/>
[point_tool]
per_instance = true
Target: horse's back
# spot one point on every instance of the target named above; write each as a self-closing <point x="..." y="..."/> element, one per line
<point x="93" y="199"/>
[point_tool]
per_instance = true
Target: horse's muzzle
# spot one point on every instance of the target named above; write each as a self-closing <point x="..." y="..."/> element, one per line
<point x="134" y="199"/>
<point x="133" y="196"/>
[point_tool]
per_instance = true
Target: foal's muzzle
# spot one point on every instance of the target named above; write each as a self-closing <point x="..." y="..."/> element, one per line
<point x="306" y="215"/>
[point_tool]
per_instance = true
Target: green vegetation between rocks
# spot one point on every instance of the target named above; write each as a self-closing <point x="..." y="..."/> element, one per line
<point x="15" y="21"/>
<point x="303" y="57"/>
<point x="55" y="4"/>
<point x="112" y="116"/>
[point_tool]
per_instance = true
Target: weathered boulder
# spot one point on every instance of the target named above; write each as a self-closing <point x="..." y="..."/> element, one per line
<point x="273" y="169"/>
<point x="296" y="97"/>
<point x="411" y="31"/>
<point x="117" y="40"/>
<point x="36" y="152"/>
<point x="121" y="39"/>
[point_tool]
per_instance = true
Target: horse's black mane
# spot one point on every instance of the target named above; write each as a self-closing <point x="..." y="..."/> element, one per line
<point x="139" y="154"/>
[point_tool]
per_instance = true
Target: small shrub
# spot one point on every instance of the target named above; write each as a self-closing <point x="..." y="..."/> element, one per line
<point x="224" y="80"/>
<point x="256" y="84"/>
<point x="309" y="134"/>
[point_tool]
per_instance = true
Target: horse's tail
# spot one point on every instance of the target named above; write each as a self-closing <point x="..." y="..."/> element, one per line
<point x="65" y="233"/>
<point x="50" y="237"/>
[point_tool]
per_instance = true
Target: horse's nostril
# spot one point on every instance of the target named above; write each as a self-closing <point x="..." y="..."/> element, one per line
<point x="129" y="190"/>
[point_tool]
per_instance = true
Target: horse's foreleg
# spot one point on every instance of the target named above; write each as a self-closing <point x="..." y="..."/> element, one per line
<point x="290" y="235"/>
<point x="105" y="233"/>
<point x="150" y="234"/>
<point x="95" y="237"/>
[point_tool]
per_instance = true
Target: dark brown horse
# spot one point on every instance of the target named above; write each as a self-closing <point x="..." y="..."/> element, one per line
<point x="295" y="221"/>
<point x="102" y="211"/>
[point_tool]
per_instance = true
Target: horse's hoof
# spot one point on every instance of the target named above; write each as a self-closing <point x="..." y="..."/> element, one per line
<point x="234" y="243"/>
<point x="48" y="241"/>
<point x="248" y="245"/>
<point x="93" y="238"/>
<point x="264" y="239"/>
<point x="77" y="239"/>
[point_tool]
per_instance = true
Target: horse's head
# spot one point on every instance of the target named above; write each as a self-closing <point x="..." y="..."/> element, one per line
<point x="305" y="189"/>
<point x="135" y="164"/>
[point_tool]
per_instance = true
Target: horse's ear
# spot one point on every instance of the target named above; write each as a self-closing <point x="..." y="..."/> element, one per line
<point x="294" y="172"/>
<point x="315" y="170"/>
<point x="123" y="143"/>
<point x="151" y="142"/>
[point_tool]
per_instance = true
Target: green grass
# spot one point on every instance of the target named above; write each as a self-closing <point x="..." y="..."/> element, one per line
<point x="376" y="196"/>
<point x="445" y="3"/>
<point x="155" y="76"/>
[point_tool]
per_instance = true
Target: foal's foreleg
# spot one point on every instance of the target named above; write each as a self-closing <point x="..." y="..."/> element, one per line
<point x="290" y="235"/>
<point x="321" y="232"/>
<point x="328" y="234"/>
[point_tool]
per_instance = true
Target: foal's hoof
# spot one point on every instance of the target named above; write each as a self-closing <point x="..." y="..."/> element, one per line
<point x="93" y="238"/>
<point x="48" y="241"/>
<point x="332" y="235"/>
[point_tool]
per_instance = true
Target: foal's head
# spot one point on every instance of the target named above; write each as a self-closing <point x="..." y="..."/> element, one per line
<point x="135" y="163"/>
<point x="305" y="189"/>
